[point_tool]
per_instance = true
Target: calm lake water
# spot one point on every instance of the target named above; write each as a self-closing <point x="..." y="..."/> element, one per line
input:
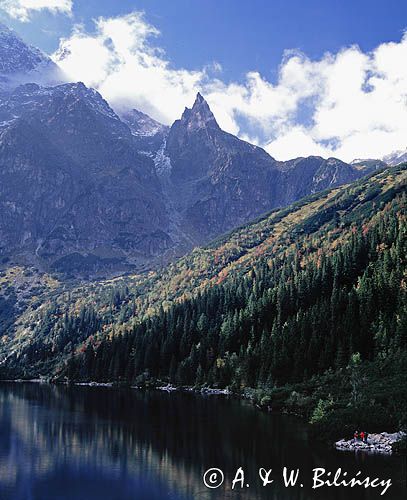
<point x="84" y="443"/>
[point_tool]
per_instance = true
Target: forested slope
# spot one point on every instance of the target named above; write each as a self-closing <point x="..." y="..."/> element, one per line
<point x="313" y="296"/>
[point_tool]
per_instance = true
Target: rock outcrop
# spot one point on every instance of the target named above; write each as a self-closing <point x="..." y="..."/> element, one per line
<point x="379" y="443"/>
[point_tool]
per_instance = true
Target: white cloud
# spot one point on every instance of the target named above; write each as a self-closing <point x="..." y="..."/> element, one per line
<point x="361" y="104"/>
<point x="349" y="104"/>
<point x="22" y="9"/>
<point x="297" y="142"/>
<point x="120" y="62"/>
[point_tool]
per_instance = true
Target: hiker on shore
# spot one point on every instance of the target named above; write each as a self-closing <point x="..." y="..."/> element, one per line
<point x="362" y="436"/>
<point x="355" y="436"/>
<point x="365" y="439"/>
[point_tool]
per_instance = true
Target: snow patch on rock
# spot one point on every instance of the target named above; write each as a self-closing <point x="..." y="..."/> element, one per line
<point x="162" y="162"/>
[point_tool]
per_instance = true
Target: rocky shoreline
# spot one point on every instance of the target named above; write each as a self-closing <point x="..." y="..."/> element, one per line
<point x="165" y="388"/>
<point x="202" y="390"/>
<point x="376" y="443"/>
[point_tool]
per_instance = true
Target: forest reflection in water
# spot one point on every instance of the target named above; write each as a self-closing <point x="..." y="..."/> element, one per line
<point x="74" y="443"/>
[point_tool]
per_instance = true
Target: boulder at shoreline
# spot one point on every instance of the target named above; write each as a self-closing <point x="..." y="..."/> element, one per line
<point x="378" y="443"/>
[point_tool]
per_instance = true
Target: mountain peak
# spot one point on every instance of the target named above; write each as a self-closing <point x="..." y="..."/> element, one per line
<point x="142" y="125"/>
<point x="201" y="104"/>
<point x="22" y="63"/>
<point x="199" y="99"/>
<point x="199" y="116"/>
<point x="15" y="55"/>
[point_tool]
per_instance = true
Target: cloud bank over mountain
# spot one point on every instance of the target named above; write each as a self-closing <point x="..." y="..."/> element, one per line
<point x="349" y="104"/>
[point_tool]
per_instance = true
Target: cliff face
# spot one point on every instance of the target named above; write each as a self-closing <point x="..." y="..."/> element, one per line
<point x="75" y="191"/>
<point x="219" y="181"/>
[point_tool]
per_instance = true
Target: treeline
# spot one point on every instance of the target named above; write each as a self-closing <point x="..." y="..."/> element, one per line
<point x="285" y="320"/>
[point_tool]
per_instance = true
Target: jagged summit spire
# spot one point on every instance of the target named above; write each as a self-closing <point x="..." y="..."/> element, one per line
<point x="200" y="115"/>
<point x="200" y="103"/>
<point x="199" y="99"/>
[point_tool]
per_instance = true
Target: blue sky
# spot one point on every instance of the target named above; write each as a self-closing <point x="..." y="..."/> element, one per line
<point x="239" y="49"/>
<point x="240" y="35"/>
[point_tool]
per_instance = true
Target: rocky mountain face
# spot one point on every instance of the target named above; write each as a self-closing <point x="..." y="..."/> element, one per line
<point x="75" y="191"/>
<point x="303" y="176"/>
<point x="84" y="189"/>
<point x="216" y="181"/>
<point x="396" y="157"/>
<point x="219" y="181"/>
<point x="149" y="135"/>
<point x="369" y="164"/>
